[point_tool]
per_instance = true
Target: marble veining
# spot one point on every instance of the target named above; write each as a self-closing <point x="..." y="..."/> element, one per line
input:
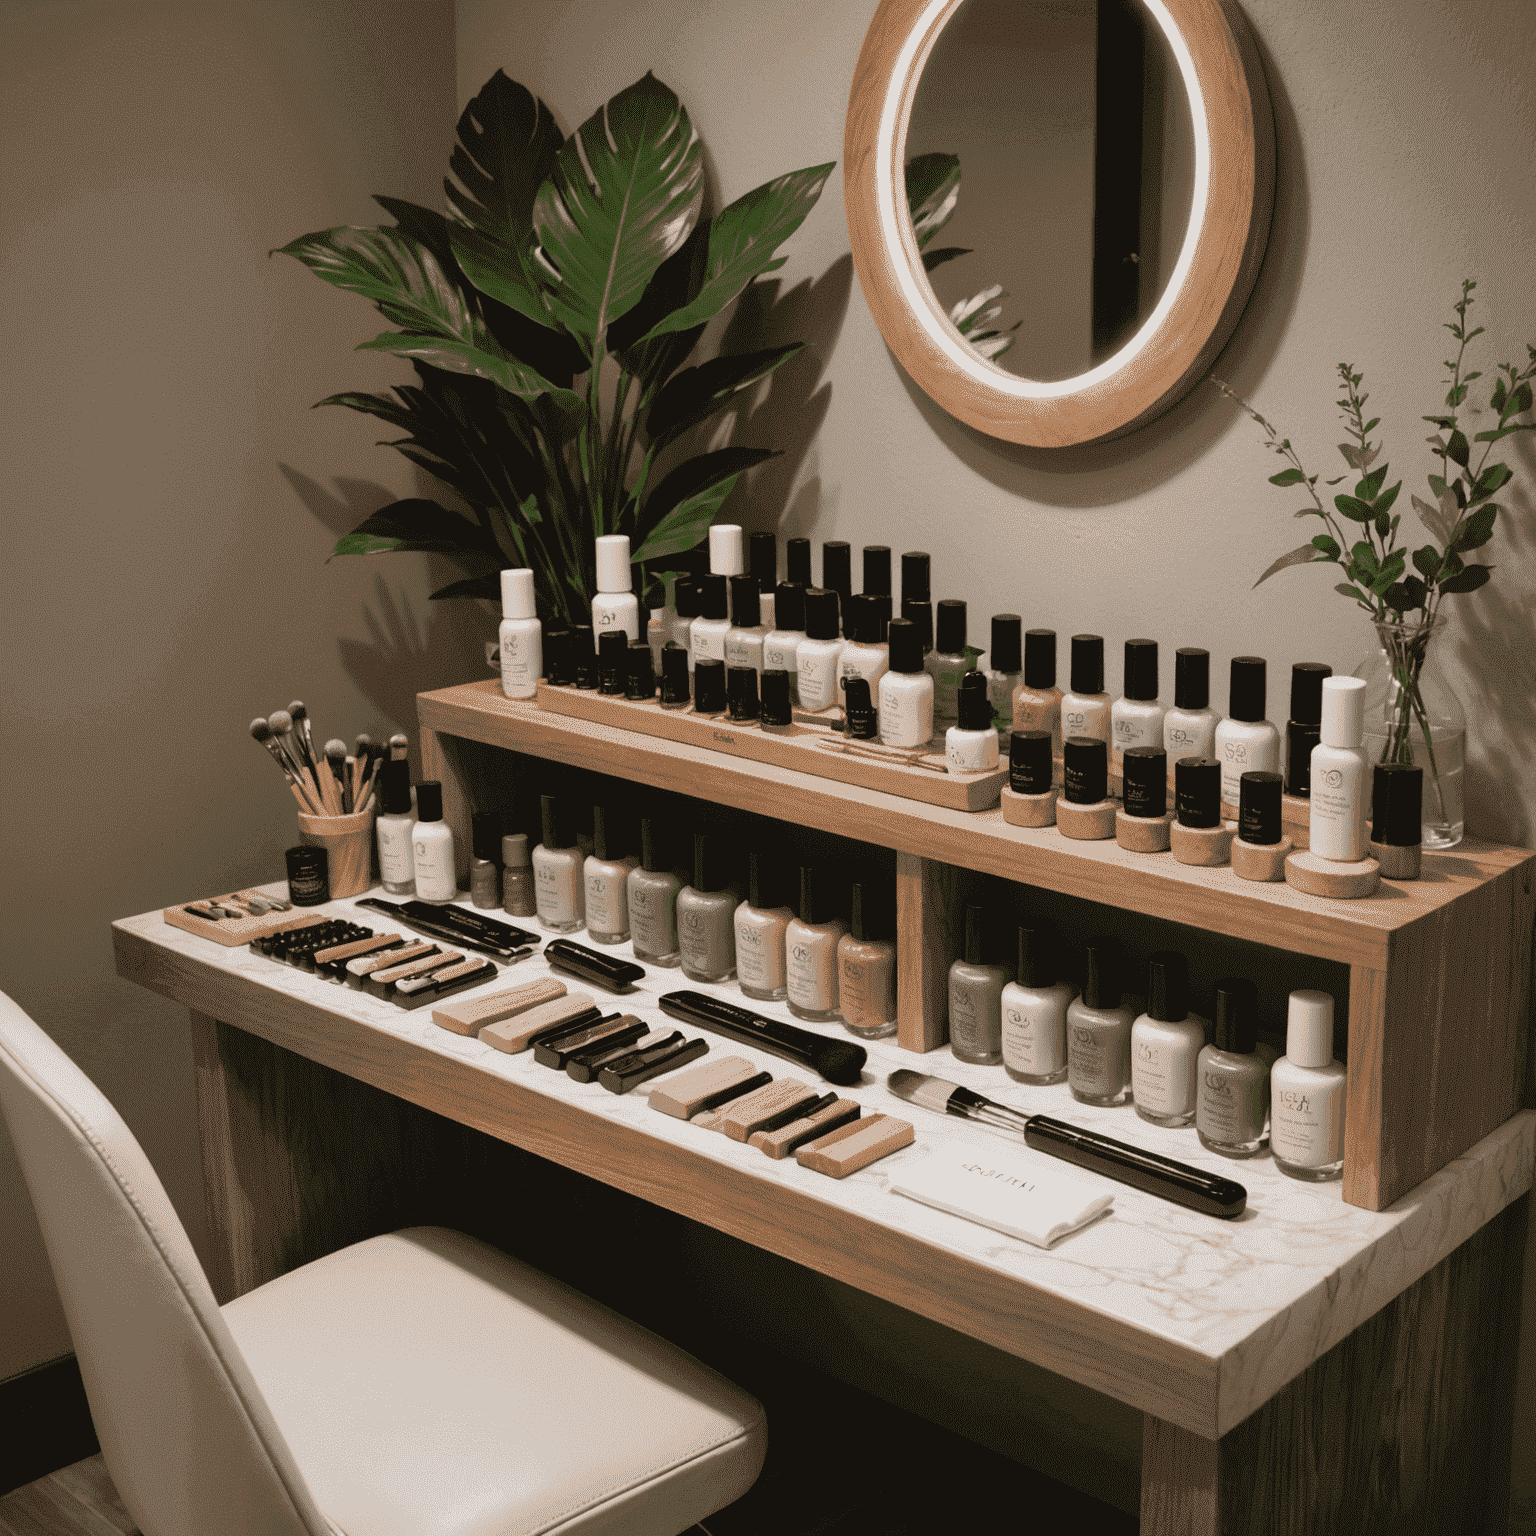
<point x="1264" y="1295"/>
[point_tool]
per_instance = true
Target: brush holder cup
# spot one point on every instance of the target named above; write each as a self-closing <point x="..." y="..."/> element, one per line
<point x="348" y="844"/>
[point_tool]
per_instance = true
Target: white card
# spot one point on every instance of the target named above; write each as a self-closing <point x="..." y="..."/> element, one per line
<point x="1001" y="1190"/>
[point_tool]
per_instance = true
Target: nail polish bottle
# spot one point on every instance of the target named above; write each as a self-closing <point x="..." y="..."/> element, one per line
<point x="1136" y="718"/>
<point x="1245" y="740"/>
<point x="976" y="997"/>
<point x="674" y="677"/>
<point x="817" y="655"/>
<point x="517" y="898"/>
<point x="709" y="629"/>
<point x="688" y="595"/>
<point x="744" y="639"/>
<point x="906" y="690"/>
<point x="866" y="966"/>
<point x="782" y="642"/>
<point x="706" y="912"/>
<point x="916" y="576"/>
<point x="559" y="889"/>
<point x="1259" y="849"/>
<point x="1198" y="834"/>
<point x="607" y="881"/>
<point x="1099" y="1029"/>
<point x="1037" y="700"/>
<point x="1142" y="822"/>
<point x="1397" y="826"/>
<point x="1029" y="796"/>
<point x="810" y="946"/>
<point x="861" y="720"/>
<point x="660" y="623"/>
<point x="863" y="655"/>
<point x="761" y="923"/>
<point x="1304" y="729"/>
<point x="651" y="892"/>
<point x="763" y="565"/>
<point x="1166" y="1042"/>
<point x="640" y="674"/>
<point x="432" y="854"/>
<point x="837" y="576"/>
<point x="393" y="827"/>
<point x="1085" y="811"/>
<point x="1005" y="671"/>
<point x="709" y="697"/>
<point x="777" y="714"/>
<point x="1338" y="773"/>
<point x="582" y="650"/>
<point x="558" y="669"/>
<point x="1308" y="1094"/>
<point x="1232" y="1109"/>
<point x="970" y="745"/>
<point x="615" y="606"/>
<point x="797" y="562"/>
<point x="726" y="550"/>
<point x="948" y="662"/>
<point x="1085" y="705"/>
<point x="1189" y="728"/>
<point x="920" y="612"/>
<point x="484" y="873"/>
<point x="877" y="581"/>
<point x="1034" y="1010"/>
<point x="612" y="661"/>
<point x="741" y="700"/>
<point x="522" y="659"/>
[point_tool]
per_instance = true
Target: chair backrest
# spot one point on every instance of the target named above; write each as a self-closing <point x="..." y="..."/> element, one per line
<point x="187" y="1436"/>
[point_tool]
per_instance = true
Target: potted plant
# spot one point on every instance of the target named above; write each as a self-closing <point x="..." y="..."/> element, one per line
<point x="549" y="315"/>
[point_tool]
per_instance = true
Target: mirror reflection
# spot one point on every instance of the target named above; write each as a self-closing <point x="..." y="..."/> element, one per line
<point x="1050" y="170"/>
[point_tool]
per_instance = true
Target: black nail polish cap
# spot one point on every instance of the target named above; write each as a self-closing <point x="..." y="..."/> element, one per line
<point x="640" y="678"/>
<point x="821" y="614"/>
<point x="776" y="708"/>
<point x="789" y="606"/>
<point x="674" y="675"/>
<point x="763" y="559"/>
<point x="877" y="569"/>
<point x="1029" y="762"/>
<point x="557" y="653"/>
<point x="837" y="567"/>
<point x="612" y="660"/>
<point x="1102" y="971"/>
<point x="1397" y="796"/>
<point x="1085" y="769"/>
<point x="395" y="789"/>
<point x="1197" y="791"/>
<point x="429" y="800"/>
<point x="916" y="565"/>
<point x="709" y="868"/>
<point x="797" y="561"/>
<point x="688" y="597"/>
<point x="975" y="934"/>
<point x="715" y="598"/>
<point x="746" y="610"/>
<point x="906" y="642"/>
<point x="861" y="619"/>
<point x="973" y="703"/>
<point x="485" y="835"/>
<point x="1258" y="809"/>
<point x="741" y="692"/>
<point x="1167" y="986"/>
<point x="1040" y="658"/>
<point x="1246" y="701"/>
<point x="1300" y="738"/>
<point x="862" y="722"/>
<point x="1307" y="691"/>
<point x="1191" y="678"/>
<point x="949" y="637"/>
<point x="552" y="817"/>
<point x="920" y="611"/>
<point x="583" y="656"/>
<point x="1087" y="664"/>
<point x="1141" y="669"/>
<point x="709" y="686"/>
<point x="1006" y="654"/>
<point x="1236" y="1026"/>
<point x="1037" y="957"/>
<point x="1146" y="781"/>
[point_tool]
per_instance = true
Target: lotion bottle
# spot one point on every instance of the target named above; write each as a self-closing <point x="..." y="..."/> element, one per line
<point x="1166" y="1042"/>
<point x="1245" y="740"/>
<point x="522" y="636"/>
<point x="817" y="656"/>
<point x="432" y="847"/>
<point x="949" y="661"/>
<point x="810" y="951"/>
<point x="393" y="827"/>
<point x="615" y="606"/>
<point x="782" y="643"/>
<point x="976" y="993"/>
<point x="1136" y="719"/>
<point x="1034" y="1011"/>
<point x="761" y="921"/>
<point x="1189" y="728"/>
<point x="1085" y="705"/>
<point x="559" y="890"/>
<point x="1307" y="1094"/>
<point x="1037" y="699"/>
<point x="1338" y="773"/>
<point x="906" y="691"/>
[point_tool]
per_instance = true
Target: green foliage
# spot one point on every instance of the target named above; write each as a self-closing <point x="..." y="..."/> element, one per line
<point x="549" y="315"/>
<point x="1461" y="517"/>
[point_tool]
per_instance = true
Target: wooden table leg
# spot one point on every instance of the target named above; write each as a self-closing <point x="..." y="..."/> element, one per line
<point x="1403" y="1426"/>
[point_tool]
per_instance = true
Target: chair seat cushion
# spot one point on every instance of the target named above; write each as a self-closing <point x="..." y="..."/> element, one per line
<point x="431" y="1386"/>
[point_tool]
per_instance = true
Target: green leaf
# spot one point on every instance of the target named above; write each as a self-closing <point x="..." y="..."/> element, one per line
<point x="935" y="259"/>
<point x="1415" y="591"/>
<point x="1364" y="556"/>
<point x="1326" y="546"/>
<point x="1495" y="433"/>
<point x="624" y="194"/>
<point x="677" y="281"/>
<point x="1499" y="396"/>
<point x="1383" y="503"/>
<point x="1457" y="447"/>
<point x="1477" y="529"/>
<point x="414" y="523"/>
<point x="697" y="393"/>
<point x="1348" y="591"/>
<point x="1491" y="479"/>
<point x="1287" y="477"/>
<point x="485" y="361"/>
<point x="1301" y="556"/>
<point x="933" y="189"/>
<point x="1473" y="577"/>
<point x="743" y="238"/>
<point x="1369" y="488"/>
<point x="681" y="507"/>
<point x="1354" y="509"/>
<point x="1427" y="561"/>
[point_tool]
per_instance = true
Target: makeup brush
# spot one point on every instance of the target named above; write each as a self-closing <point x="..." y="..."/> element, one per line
<point x="261" y="731"/>
<point x="336" y="759"/>
<point x="301" y="723"/>
<point x="309" y="773"/>
<point x="360" y="764"/>
<point x="397" y="746"/>
<point x="1178" y="1182"/>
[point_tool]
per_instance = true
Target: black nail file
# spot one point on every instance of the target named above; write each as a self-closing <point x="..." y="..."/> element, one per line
<point x="585" y="1066"/>
<point x="624" y="1074"/>
<point x="606" y="971"/>
<point x="623" y="1030"/>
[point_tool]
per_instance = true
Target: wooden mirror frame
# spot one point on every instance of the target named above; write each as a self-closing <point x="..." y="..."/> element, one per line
<point x="1223" y="246"/>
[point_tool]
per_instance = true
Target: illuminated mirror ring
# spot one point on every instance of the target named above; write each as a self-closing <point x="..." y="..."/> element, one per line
<point x="1211" y="280"/>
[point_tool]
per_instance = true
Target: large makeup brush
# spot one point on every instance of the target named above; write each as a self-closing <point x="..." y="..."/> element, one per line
<point x="336" y="759"/>
<point x="397" y="747"/>
<point x="262" y="732"/>
<point x="281" y="723"/>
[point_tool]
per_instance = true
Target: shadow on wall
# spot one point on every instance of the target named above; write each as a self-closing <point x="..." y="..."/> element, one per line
<point x="1106" y="473"/>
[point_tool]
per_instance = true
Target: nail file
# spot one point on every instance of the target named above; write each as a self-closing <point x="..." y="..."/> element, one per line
<point x="797" y="1112"/>
<point x="587" y="1066"/>
<point x="365" y="965"/>
<point x="356" y="947"/>
<point x="514" y="1034"/>
<point x="469" y="1018"/>
<point x="450" y="976"/>
<point x="788" y="1139"/>
<point x="856" y="1145"/>
<point x="390" y="974"/>
<point x="606" y="971"/>
<point x="629" y="1071"/>
<point x="689" y="1092"/>
<point x="745" y="1115"/>
<point x="624" y="1029"/>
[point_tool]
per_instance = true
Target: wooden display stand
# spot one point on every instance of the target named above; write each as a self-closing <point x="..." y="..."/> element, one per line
<point x="1438" y="967"/>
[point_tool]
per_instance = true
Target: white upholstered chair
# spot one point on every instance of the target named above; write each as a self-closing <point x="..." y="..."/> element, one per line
<point x="420" y="1384"/>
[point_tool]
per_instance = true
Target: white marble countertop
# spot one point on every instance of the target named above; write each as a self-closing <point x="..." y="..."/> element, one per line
<point x="1262" y="1296"/>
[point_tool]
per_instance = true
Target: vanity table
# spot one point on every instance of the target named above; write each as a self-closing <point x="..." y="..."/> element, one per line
<point x="1317" y="1365"/>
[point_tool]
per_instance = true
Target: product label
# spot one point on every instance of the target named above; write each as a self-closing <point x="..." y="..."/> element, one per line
<point x="1137" y="731"/>
<point x="1098" y="1059"/>
<point x="744" y="653"/>
<point x="1231" y="1105"/>
<point x="1034" y="1039"/>
<point x="653" y="918"/>
<point x="867" y="988"/>
<point x="1336" y="815"/>
<point x="521" y="661"/>
<point x="1186" y="740"/>
<point x="1306" y="1125"/>
<point x="432" y="858"/>
<point x="970" y="751"/>
<point x="1032" y="713"/>
<point x="557" y="890"/>
<point x="812" y="971"/>
<point x="607" y="908"/>
<point x="906" y="712"/>
<point x="395" y="861"/>
<point x="1163" y="1077"/>
<point x="865" y="662"/>
<point x="975" y="1019"/>
<point x="779" y="658"/>
<point x="709" y="645"/>
<point x="1085" y="719"/>
<point x="759" y="954"/>
<point x="817" y="677"/>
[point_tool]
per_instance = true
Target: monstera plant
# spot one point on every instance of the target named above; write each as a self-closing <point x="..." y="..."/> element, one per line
<point x="549" y="314"/>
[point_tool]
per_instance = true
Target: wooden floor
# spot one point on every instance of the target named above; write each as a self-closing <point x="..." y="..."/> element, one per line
<point x="78" y="1501"/>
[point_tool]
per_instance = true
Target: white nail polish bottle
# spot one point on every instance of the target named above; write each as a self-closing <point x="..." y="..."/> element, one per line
<point x="559" y="890"/>
<point x="1166" y="1042"/>
<point x="1035" y="1012"/>
<point x="864" y="654"/>
<point x="906" y="691"/>
<point x="1136" y="719"/>
<point x="1338" y="772"/>
<point x="782" y="643"/>
<point x="707" y="635"/>
<point x="810" y="950"/>
<point x="971" y="745"/>
<point x="432" y="846"/>
<point x="606" y="882"/>
<point x="615" y="606"/>
<point x="522" y="636"/>
<point x="817" y="656"/>
<point x="1245" y="741"/>
<point x="744" y="639"/>
<point x="1189" y="728"/>
<point x="688" y="598"/>
<point x="1085" y="705"/>
<point x="1308" y="1094"/>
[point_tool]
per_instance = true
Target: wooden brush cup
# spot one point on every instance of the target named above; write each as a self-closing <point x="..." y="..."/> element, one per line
<point x="348" y="844"/>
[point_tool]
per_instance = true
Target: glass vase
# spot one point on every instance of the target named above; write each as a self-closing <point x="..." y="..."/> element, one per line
<point x="1412" y="716"/>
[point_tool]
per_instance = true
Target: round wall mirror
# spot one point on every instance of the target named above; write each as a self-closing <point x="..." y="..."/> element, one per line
<point x="1057" y="207"/>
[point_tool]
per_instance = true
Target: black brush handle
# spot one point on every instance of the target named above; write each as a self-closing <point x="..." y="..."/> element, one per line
<point x="1161" y="1176"/>
<point x="838" y="1061"/>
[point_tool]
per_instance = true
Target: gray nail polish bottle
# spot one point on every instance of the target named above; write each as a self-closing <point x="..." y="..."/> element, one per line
<point x="1232" y="1109"/>
<point x="706" y="911"/>
<point x="976" y="998"/>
